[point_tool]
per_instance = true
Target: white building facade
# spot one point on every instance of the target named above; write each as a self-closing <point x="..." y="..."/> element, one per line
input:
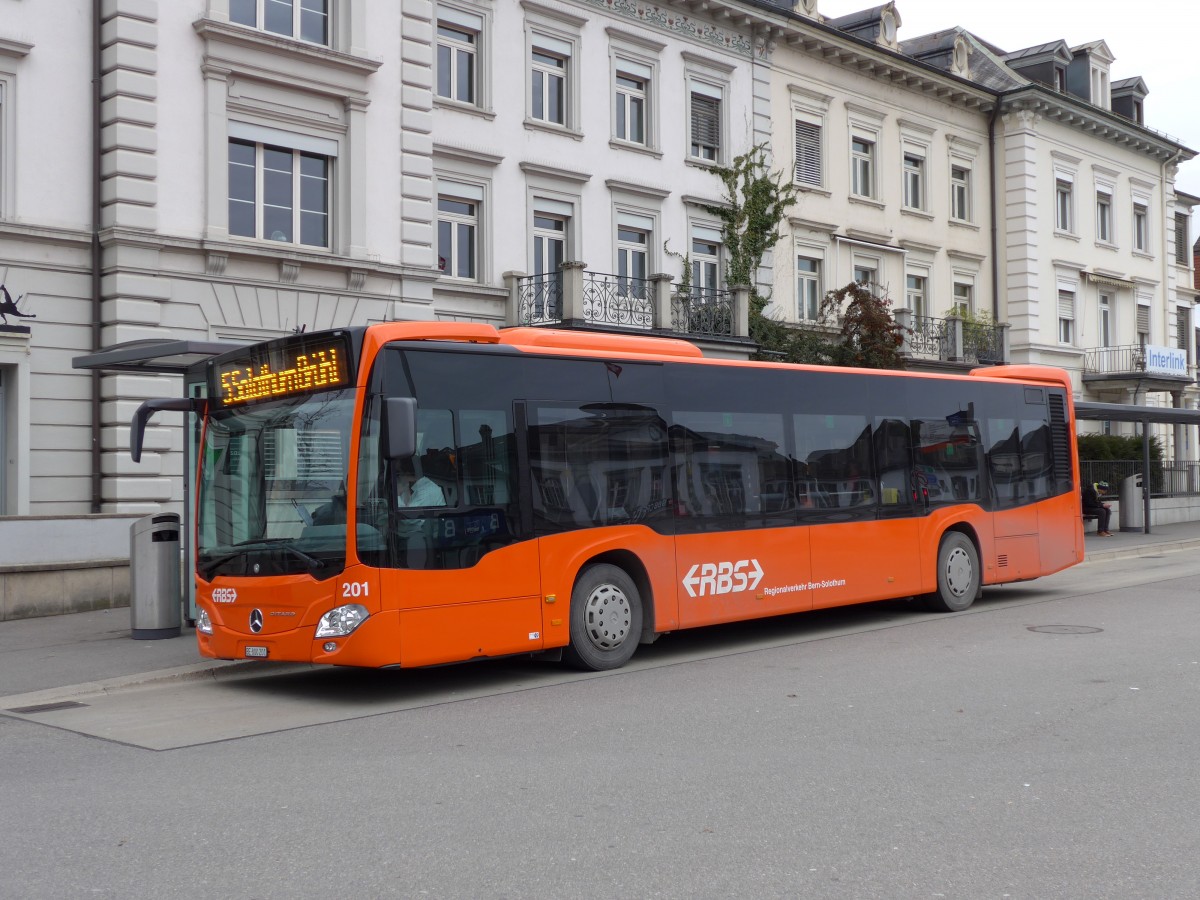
<point x="247" y="168"/>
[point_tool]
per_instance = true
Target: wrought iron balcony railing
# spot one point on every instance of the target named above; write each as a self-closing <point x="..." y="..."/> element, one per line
<point x="576" y="296"/>
<point x="618" y="300"/>
<point x="952" y="339"/>
<point x="703" y="312"/>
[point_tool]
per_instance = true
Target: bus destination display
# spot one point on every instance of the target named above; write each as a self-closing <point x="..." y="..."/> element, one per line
<point x="286" y="369"/>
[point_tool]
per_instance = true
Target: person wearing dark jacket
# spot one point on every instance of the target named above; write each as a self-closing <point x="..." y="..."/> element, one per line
<point x="1094" y="506"/>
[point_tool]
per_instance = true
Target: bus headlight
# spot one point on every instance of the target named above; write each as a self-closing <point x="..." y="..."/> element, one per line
<point x="342" y="621"/>
<point x="203" y="622"/>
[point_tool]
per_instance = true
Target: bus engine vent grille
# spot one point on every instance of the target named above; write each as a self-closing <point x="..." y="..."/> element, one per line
<point x="1002" y="560"/>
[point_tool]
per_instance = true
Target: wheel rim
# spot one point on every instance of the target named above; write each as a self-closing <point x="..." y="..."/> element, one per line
<point x="960" y="574"/>
<point x="607" y="616"/>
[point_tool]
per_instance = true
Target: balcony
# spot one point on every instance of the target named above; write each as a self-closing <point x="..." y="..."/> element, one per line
<point x="1138" y="366"/>
<point x="574" y="297"/>
<point x="952" y="341"/>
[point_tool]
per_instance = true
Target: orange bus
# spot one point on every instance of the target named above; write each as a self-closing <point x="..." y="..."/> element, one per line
<point x="408" y="494"/>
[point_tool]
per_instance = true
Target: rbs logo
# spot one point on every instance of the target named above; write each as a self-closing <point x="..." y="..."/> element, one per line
<point x="723" y="578"/>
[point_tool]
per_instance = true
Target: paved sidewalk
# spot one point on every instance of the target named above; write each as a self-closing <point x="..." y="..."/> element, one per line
<point x="93" y="651"/>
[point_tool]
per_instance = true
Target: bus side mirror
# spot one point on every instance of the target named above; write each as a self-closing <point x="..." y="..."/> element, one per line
<point x="399" y="427"/>
<point x="137" y="428"/>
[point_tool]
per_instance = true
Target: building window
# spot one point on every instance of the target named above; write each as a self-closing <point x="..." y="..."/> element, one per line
<point x="1181" y="239"/>
<point x="1141" y="227"/>
<point x="865" y="275"/>
<point x="1183" y="326"/>
<point x="914" y="294"/>
<point x="630" y="107"/>
<point x="632" y="259"/>
<point x="914" y="181"/>
<point x="307" y="20"/>
<point x="278" y="194"/>
<point x="862" y="167"/>
<point x="960" y="193"/>
<point x="549" y="97"/>
<point x="1104" y="217"/>
<point x="808" y="153"/>
<point x="1105" y="320"/>
<point x="808" y="288"/>
<point x="1060" y="79"/>
<point x="549" y="243"/>
<point x="1143" y="324"/>
<point x="706" y="261"/>
<point x="458" y="36"/>
<point x="1062" y="205"/>
<point x="1066" y="317"/>
<point x="706" y="122"/>
<point x="964" y="298"/>
<point x="458" y="235"/>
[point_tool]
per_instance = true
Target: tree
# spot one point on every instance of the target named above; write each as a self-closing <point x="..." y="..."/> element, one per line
<point x="756" y="200"/>
<point x="868" y="336"/>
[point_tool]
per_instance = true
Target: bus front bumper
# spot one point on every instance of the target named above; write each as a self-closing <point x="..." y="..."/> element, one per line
<point x="372" y="644"/>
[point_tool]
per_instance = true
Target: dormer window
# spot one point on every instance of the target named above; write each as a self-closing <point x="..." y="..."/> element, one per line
<point x="1100" y="96"/>
<point x="1060" y="79"/>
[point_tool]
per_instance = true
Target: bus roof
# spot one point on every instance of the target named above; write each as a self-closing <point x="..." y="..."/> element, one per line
<point x="656" y="347"/>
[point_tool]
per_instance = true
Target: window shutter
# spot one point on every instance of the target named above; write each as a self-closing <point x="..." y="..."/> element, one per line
<point x="706" y="121"/>
<point x="1182" y="321"/>
<point x="808" y="153"/>
<point x="1181" y="236"/>
<point x="1143" y="319"/>
<point x="1066" y="305"/>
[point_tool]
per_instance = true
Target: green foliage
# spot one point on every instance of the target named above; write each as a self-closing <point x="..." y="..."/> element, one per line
<point x="868" y="335"/>
<point x="782" y="342"/>
<point x="1116" y="447"/>
<point x="756" y="201"/>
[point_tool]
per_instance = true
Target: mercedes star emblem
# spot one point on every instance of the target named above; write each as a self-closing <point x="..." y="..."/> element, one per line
<point x="256" y="620"/>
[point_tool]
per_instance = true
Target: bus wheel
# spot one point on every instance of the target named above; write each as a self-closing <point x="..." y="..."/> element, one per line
<point x="606" y="619"/>
<point x="957" y="574"/>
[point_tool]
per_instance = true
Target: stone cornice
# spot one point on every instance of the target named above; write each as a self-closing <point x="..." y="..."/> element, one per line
<point x="14" y="48"/>
<point x="1103" y="125"/>
<point x="240" y="40"/>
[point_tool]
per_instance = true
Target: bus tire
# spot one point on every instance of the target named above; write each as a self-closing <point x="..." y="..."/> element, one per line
<point x="606" y="619"/>
<point x="958" y="576"/>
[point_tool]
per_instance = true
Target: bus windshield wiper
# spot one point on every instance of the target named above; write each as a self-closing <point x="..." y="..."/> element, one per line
<point x="268" y="544"/>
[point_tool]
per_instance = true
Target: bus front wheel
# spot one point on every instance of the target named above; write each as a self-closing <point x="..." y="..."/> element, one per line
<point x="606" y="619"/>
<point x="958" y="577"/>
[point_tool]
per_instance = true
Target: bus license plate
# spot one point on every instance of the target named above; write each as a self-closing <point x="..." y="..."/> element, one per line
<point x="257" y="652"/>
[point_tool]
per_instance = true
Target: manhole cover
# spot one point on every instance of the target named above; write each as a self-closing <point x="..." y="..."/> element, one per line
<point x="1065" y="629"/>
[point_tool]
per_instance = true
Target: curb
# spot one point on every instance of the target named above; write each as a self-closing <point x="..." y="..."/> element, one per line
<point x="1140" y="550"/>
<point x="215" y="670"/>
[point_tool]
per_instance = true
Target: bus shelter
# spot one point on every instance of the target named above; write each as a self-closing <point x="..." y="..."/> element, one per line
<point x="170" y="357"/>
<point x="1145" y="416"/>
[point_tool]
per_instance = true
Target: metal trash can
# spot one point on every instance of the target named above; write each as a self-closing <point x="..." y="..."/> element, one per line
<point x="155" y="600"/>
<point x="1131" y="514"/>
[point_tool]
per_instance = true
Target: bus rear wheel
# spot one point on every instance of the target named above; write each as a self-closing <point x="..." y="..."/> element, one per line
<point x="958" y="578"/>
<point x="606" y="619"/>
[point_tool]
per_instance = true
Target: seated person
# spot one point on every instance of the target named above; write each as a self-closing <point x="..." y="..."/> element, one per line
<point x="1094" y="506"/>
<point x="416" y="490"/>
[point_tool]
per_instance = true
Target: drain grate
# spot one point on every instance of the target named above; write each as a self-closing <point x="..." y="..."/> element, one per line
<point x="1065" y="629"/>
<point x="48" y="707"/>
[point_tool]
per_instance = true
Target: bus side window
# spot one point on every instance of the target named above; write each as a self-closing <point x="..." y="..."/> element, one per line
<point x="893" y="459"/>
<point x="834" y="452"/>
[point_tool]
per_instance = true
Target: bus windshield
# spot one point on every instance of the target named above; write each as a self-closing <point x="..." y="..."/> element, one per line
<point x="273" y="487"/>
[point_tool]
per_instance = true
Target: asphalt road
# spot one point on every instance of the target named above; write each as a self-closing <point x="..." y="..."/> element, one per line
<point x="1042" y="744"/>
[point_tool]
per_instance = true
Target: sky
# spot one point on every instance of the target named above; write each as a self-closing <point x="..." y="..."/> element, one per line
<point x="1154" y="39"/>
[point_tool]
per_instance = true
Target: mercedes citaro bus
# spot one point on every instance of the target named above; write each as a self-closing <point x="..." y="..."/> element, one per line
<point x="407" y="494"/>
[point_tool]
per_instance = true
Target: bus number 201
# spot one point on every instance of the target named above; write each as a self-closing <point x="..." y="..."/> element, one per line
<point x="355" y="589"/>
